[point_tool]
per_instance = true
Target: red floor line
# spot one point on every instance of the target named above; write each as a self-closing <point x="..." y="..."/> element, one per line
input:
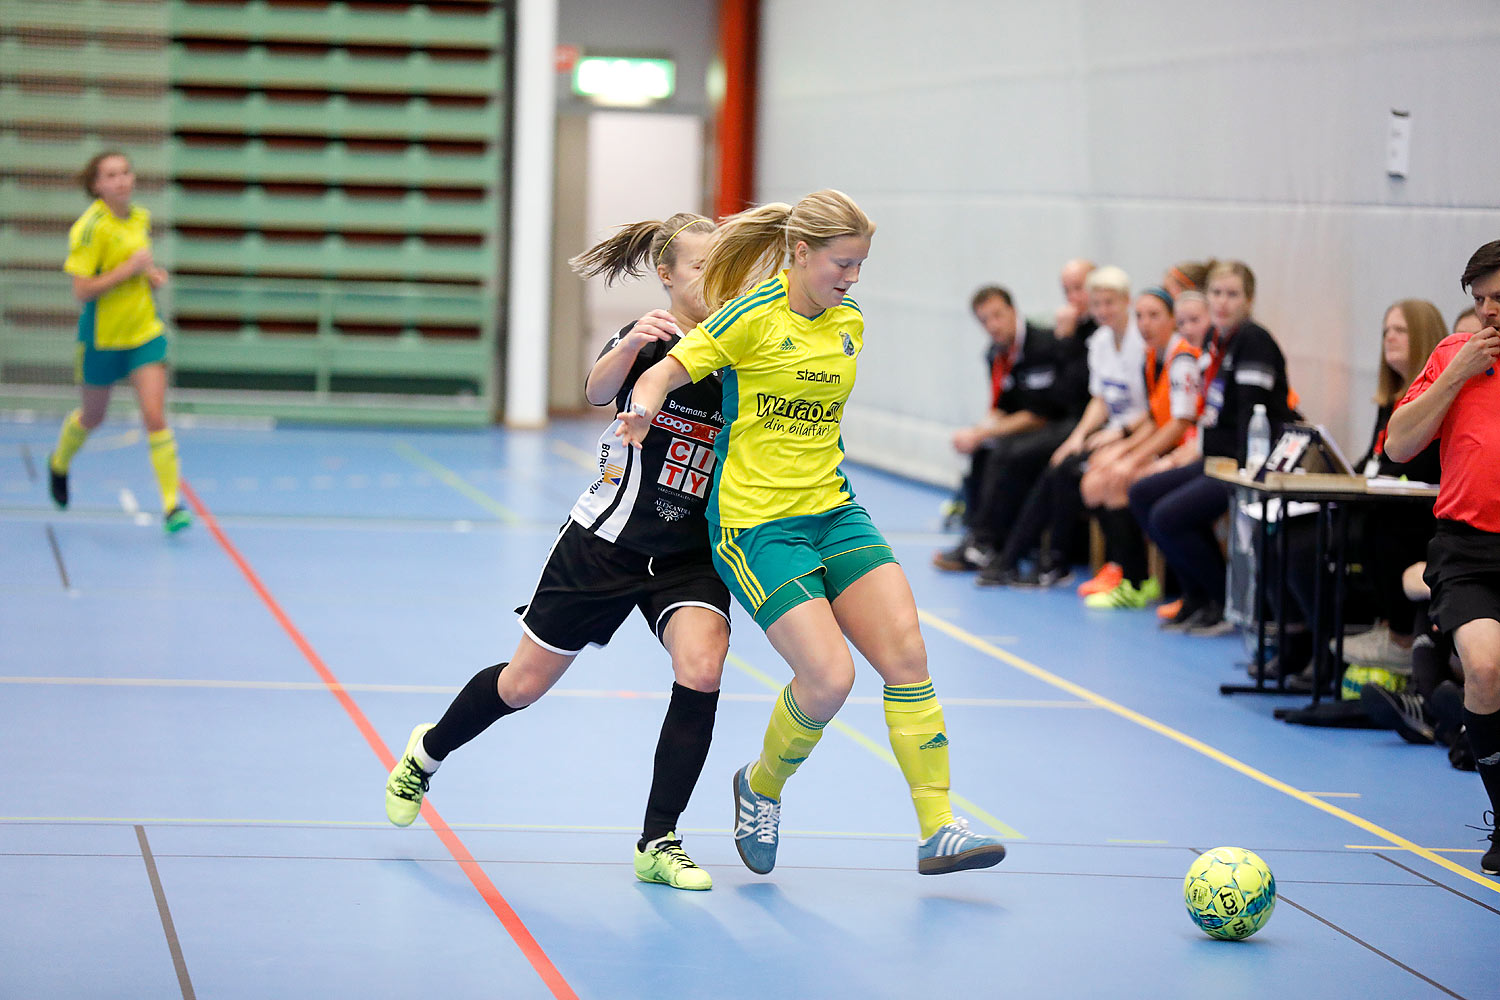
<point x="487" y="891"/>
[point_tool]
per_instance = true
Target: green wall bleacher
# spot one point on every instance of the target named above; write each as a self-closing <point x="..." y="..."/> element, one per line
<point x="327" y="181"/>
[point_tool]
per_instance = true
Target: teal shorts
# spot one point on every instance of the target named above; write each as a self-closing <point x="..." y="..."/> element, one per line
<point x="100" y="368"/>
<point x="773" y="567"/>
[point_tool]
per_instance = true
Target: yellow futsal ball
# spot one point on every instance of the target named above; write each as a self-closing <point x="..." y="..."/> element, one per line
<point x="1230" y="893"/>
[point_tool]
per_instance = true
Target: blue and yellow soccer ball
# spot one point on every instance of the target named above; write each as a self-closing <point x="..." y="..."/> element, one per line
<point x="1230" y="893"/>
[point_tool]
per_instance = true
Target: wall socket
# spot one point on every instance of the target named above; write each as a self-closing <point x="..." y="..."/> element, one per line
<point x="1398" y="144"/>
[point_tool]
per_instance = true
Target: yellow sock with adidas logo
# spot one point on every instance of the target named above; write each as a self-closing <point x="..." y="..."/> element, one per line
<point x="164" y="464"/>
<point x="920" y="744"/>
<point x="790" y="737"/>
<point x="69" y="440"/>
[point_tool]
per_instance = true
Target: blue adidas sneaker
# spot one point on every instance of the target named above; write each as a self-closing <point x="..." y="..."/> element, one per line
<point x="956" y="848"/>
<point x="757" y="824"/>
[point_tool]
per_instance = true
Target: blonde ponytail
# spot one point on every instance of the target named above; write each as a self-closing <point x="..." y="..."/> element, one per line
<point x="757" y="242"/>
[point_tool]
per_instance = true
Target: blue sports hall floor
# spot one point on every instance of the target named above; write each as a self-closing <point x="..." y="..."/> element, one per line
<point x="197" y="729"/>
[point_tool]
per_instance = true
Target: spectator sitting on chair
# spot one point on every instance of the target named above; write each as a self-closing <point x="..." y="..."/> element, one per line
<point x="1187" y="276"/>
<point x="1037" y="382"/>
<point x="1117" y="391"/>
<point x="1074" y="319"/>
<point x="1385" y="538"/>
<point x="1395" y="535"/>
<point x="1178" y="508"/>
<point x="1175" y="395"/>
<point x="1456" y="399"/>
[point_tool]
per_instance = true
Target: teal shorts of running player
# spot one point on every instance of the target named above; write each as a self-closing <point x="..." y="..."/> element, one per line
<point x="773" y="567"/>
<point x="96" y="367"/>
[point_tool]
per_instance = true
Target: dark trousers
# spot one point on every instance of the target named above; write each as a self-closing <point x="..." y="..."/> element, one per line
<point x="1394" y="536"/>
<point x="1005" y="476"/>
<point x="1054" y="503"/>
<point x="1177" y="510"/>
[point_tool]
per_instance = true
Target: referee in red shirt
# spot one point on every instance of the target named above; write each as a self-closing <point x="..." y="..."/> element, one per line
<point x="1457" y="399"/>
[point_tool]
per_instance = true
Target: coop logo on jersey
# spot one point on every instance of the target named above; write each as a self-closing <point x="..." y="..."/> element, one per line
<point x="848" y="343"/>
<point x="689" y="468"/>
<point x="704" y="433"/>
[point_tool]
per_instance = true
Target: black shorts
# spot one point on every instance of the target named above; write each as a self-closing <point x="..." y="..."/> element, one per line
<point x="589" y="586"/>
<point x="1463" y="571"/>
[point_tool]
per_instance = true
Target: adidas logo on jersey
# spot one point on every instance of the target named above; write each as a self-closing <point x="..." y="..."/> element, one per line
<point x="787" y="345"/>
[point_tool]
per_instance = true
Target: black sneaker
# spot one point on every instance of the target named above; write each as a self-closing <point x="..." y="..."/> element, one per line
<point x="997" y="574"/>
<point x="962" y="558"/>
<point x="1272" y="671"/>
<point x="1184" y="615"/>
<point x="1490" y="863"/>
<point x="1054" y="576"/>
<point x="1208" y="620"/>
<point x="58" y="486"/>
<point x="1405" y="712"/>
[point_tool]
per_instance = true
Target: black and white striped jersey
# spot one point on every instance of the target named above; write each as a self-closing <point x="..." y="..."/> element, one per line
<point x="652" y="499"/>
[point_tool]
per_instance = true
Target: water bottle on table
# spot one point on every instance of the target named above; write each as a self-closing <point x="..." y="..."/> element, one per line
<point x="1258" y="440"/>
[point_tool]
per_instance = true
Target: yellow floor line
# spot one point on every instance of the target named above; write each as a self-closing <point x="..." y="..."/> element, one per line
<point x="1003" y="828"/>
<point x="450" y="478"/>
<point x="1047" y="677"/>
<point x="1439" y="850"/>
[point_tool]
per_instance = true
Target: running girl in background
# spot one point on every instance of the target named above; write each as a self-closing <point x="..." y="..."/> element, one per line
<point x="789" y="540"/>
<point x="119" y="333"/>
<point x="634" y="539"/>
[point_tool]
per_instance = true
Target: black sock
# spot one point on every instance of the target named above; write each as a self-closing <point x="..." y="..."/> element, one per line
<point x="1128" y="544"/>
<point x="1484" y="740"/>
<point x="680" y="752"/>
<point x="472" y="711"/>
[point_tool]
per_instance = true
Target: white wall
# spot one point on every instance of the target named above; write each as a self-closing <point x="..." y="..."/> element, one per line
<point x="641" y="165"/>
<point x="993" y="139"/>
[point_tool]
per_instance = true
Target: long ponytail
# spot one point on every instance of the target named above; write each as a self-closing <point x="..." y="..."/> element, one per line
<point x="757" y="242"/>
<point x="636" y="247"/>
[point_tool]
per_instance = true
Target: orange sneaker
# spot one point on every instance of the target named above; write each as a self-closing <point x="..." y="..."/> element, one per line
<point x="1167" y="612"/>
<point x="1108" y="578"/>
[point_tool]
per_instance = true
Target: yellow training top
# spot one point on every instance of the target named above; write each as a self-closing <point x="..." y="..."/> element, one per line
<point x="786" y="379"/>
<point x="100" y="241"/>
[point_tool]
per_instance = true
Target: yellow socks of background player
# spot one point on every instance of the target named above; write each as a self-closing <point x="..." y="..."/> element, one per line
<point x="921" y="747"/>
<point x="68" y="442"/>
<point x="164" y="463"/>
<point x="790" y="737"/>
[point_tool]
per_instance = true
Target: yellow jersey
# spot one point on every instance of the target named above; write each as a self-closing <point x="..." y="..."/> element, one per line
<point x="786" y="379"/>
<point x="125" y="316"/>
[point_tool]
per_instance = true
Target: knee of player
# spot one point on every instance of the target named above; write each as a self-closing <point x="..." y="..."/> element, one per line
<point x="1482" y="673"/>
<point x="829" y="685"/>
<point x="519" y="688"/>
<point x="700" y="666"/>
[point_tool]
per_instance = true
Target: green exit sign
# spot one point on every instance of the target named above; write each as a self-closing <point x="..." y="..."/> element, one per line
<point x="624" y="80"/>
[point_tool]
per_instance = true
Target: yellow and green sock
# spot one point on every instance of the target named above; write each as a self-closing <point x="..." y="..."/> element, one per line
<point x="164" y="464"/>
<point x="69" y="440"/>
<point x="920" y="744"/>
<point x="790" y="737"/>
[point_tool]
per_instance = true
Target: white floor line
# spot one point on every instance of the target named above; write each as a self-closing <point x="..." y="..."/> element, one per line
<point x="448" y="689"/>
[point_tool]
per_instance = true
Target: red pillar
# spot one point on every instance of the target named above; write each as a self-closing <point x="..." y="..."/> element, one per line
<point x="734" y="139"/>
